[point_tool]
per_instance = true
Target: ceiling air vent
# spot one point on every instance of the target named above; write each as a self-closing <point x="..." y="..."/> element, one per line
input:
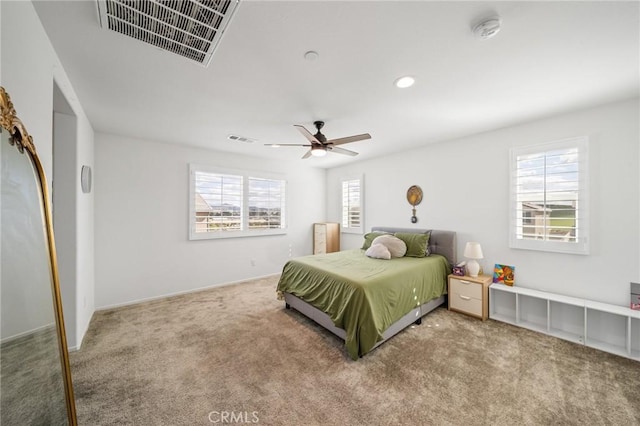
<point x="189" y="28"/>
<point x="240" y="139"/>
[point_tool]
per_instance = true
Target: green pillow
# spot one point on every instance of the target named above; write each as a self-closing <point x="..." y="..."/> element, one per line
<point x="368" y="238"/>
<point x="417" y="244"/>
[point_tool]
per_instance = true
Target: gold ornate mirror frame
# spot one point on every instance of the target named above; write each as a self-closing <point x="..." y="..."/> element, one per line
<point x="20" y="138"/>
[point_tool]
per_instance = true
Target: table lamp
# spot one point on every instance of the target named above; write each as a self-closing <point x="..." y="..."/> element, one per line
<point x="473" y="251"/>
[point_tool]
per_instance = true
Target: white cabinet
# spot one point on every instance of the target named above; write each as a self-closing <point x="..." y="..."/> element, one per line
<point x="610" y="328"/>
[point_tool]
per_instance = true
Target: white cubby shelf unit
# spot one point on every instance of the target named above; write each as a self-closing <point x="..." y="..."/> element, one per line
<point x="610" y="328"/>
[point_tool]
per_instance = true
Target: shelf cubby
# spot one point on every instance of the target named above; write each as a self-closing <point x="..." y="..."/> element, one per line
<point x="607" y="331"/>
<point x="502" y="304"/>
<point x="566" y="319"/>
<point x="634" y="336"/>
<point x="610" y="328"/>
<point x="532" y="313"/>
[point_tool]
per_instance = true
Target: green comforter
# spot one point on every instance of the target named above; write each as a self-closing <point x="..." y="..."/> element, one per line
<point x="361" y="295"/>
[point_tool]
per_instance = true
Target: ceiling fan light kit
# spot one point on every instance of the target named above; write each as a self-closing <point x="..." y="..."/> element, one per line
<point x="318" y="151"/>
<point x="318" y="143"/>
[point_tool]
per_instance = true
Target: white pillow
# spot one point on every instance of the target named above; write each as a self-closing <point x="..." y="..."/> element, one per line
<point x="378" y="251"/>
<point x="396" y="246"/>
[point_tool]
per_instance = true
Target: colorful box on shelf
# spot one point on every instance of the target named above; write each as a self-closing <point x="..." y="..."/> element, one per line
<point x="460" y="269"/>
<point x="635" y="296"/>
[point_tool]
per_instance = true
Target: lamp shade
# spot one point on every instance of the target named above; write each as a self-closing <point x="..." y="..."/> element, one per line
<point x="473" y="251"/>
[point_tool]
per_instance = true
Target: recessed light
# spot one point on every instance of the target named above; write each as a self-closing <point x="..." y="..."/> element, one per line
<point x="404" y="82"/>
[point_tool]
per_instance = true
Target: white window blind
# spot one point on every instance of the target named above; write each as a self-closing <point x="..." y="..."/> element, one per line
<point x="549" y="197"/>
<point x="227" y="204"/>
<point x="352" y="219"/>
<point x="266" y="203"/>
<point x="218" y="202"/>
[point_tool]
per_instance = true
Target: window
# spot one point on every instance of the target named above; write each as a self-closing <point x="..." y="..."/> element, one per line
<point x="266" y="203"/>
<point x="352" y="214"/>
<point x="226" y="203"/>
<point x="549" y="197"/>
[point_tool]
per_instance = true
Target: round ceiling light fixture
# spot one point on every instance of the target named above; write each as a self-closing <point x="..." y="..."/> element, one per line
<point x="318" y="151"/>
<point x="404" y="82"/>
<point x="487" y="28"/>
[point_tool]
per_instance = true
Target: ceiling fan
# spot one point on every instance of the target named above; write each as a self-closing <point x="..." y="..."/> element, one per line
<point x="320" y="145"/>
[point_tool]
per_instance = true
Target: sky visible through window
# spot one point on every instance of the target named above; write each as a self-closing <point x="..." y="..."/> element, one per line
<point x="547" y="188"/>
<point x="554" y="171"/>
<point x="218" y="190"/>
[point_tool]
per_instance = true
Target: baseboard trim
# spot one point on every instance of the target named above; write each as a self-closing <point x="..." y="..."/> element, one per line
<point x="84" y="333"/>
<point x="195" y="290"/>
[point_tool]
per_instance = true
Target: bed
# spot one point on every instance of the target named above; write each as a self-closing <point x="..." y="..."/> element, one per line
<point x="366" y="301"/>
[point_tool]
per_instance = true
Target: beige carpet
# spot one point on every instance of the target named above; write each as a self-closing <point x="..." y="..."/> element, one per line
<point x="236" y="352"/>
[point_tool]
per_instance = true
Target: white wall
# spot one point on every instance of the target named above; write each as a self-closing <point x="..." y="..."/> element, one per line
<point x="73" y="222"/>
<point x="85" y="264"/>
<point x="29" y="66"/>
<point x="466" y="189"/>
<point x="141" y="219"/>
<point x="64" y="212"/>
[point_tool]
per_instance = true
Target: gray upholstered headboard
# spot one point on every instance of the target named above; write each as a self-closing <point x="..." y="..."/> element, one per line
<point x="441" y="242"/>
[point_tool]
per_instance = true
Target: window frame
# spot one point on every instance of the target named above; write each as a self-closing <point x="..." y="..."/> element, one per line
<point x="352" y="229"/>
<point x="246" y="175"/>
<point x="581" y="246"/>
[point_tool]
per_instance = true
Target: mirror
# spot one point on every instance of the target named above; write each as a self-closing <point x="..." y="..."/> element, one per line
<point x="35" y="379"/>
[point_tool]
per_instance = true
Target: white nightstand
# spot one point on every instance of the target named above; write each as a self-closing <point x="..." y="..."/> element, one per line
<point x="470" y="295"/>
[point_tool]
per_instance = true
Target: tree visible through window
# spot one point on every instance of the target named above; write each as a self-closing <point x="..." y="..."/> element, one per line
<point x="549" y="197"/>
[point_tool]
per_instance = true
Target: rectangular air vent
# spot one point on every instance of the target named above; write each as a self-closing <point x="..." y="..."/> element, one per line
<point x="189" y="28"/>
<point x="240" y="139"/>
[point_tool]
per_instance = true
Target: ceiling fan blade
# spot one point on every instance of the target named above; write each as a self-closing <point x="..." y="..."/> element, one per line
<point x="285" y="144"/>
<point x="307" y="134"/>
<point x="341" y="151"/>
<point x="349" y="139"/>
<point x="307" y="155"/>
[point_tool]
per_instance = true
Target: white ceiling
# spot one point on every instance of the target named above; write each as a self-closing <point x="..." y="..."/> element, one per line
<point x="549" y="57"/>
